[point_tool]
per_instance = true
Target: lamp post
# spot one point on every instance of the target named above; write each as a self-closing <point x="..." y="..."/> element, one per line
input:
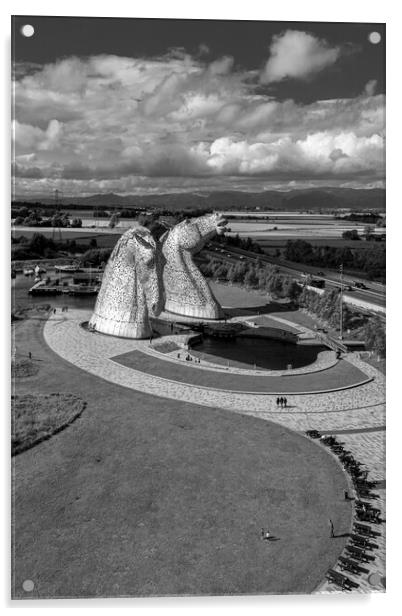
<point x="341" y="304"/>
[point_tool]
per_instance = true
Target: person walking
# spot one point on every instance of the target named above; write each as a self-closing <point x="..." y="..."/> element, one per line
<point x="285" y="402"/>
<point x="332" y="528"/>
<point x="281" y="401"/>
<point x="30" y="355"/>
<point x="277" y="402"/>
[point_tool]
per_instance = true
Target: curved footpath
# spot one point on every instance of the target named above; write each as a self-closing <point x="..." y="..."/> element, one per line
<point x="77" y="470"/>
<point x="150" y="496"/>
<point x="357" y="407"/>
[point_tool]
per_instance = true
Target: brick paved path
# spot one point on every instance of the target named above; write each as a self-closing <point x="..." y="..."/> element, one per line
<point x="358" y="413"/>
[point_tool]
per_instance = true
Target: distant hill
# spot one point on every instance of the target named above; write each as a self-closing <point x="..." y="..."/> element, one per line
<point x="310" y="199"/>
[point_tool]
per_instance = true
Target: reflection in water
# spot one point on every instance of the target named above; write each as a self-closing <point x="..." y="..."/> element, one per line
<point x="261" y="352"/>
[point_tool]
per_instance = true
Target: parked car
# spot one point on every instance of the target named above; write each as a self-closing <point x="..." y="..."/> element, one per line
<point x="320" y="273"/>
<point x="360" y="285"/>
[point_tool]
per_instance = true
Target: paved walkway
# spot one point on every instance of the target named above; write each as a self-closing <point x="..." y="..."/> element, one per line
<point x="358" y="407"/>
<point x="358" y="413"/>
<point x="340" y="376"/>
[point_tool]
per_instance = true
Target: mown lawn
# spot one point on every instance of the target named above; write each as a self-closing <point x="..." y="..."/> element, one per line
<point x="148" y="496"/>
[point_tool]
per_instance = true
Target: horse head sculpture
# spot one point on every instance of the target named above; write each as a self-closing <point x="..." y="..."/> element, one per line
<point x="186" y="291"/>
<point x="131" y="288"/>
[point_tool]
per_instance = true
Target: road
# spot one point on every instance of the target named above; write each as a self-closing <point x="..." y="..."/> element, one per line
<point x="374" y="294"/>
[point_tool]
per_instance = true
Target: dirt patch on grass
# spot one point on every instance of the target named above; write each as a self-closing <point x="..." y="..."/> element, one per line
<point x="21" y="368"/>
<point x="36" y="417"/>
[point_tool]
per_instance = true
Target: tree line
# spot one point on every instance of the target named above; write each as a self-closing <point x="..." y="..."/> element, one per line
<point x="40" y="246"/>
<point x="371" y="262"/>
<point x="325" y="306"/>
<point x="38" y="218"/>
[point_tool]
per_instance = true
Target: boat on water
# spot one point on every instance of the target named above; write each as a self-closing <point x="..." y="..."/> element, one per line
<point x="44" y="291"/>
<point x="41" y="288"/>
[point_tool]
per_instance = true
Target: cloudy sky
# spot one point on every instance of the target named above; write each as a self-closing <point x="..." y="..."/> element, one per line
<point x="143" y="106"/>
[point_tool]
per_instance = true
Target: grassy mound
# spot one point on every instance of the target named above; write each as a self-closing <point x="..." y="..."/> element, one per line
<point x="36" y="417"/>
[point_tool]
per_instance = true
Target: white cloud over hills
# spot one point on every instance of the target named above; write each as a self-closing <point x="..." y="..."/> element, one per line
<point x="299" y="55"/>
<point x="109" y="123"/>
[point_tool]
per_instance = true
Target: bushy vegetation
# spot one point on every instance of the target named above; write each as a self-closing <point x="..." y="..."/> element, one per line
<point x="95" y="257"/>
<point x="371" y="262"/>
<point x="38" y="217"/>
<point x="365" y="217"/>
<point x="351" y="235"/>
<point x="40" y="246"/>
<point x="257" y="275"/>
<point x="236" y="241"/>
<point x="326" y="307"/>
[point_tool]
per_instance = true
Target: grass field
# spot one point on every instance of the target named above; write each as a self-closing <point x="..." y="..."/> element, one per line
<point x="143" y="495"/>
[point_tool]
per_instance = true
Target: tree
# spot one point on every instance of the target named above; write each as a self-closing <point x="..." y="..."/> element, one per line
<point x="114" y="220"/>
<point x="95" y="256"/>
<point x="250" y="279"/>
<point x="351" y="235"/>
<point x="374" y="335"/>
<point x="368" y="232"/>
<point x="292" y="289"/>
<point x="39" y="243"/>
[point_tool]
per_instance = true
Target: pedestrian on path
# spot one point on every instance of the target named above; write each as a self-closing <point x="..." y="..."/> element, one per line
<point x="332" y="528"/>
<point x="281" y="401"/>
<point x="30" y="355"/>
<point x="285" y="402"/>
<point x="278" y="402"/>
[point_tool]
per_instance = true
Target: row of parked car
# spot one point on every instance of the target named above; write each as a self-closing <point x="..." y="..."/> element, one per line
<point x="359" y="549"/>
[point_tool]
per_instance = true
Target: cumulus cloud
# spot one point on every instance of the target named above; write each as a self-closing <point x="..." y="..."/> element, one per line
<point x="298" y="55"/>
<point x="109" y="123"/>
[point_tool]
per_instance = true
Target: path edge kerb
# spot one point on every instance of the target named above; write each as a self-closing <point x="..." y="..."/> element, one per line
<point x="250" y="393"/>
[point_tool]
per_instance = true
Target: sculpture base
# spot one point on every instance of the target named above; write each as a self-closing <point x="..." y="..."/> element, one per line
<point x="211" y="312"/>
<point x="121" y="329"/>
